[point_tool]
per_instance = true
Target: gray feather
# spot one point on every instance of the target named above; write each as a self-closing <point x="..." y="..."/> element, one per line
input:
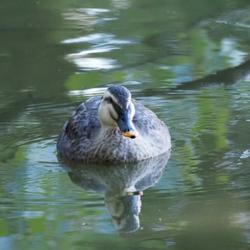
<point x="82" y="138"/>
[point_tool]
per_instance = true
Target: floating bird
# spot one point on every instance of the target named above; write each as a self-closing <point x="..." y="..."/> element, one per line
<point x="113" y="128"/>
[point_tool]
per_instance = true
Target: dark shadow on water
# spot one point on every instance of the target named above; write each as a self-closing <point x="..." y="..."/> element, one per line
<point x="227" y="76"/>
<point x="123" y="186"/>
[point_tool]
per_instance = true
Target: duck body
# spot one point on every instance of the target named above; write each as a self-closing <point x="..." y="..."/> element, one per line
<point x="87" y="138"/>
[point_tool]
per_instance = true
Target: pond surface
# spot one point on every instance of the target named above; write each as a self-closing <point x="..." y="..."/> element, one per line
<point x="186" y="60"/>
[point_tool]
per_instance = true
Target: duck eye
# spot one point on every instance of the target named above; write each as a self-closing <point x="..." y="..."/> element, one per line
<point x="117" y="108"/>
<point x="109" y="100"/>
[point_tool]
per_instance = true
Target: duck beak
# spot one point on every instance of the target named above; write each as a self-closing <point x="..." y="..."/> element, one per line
<point x="130" y="134"/>
<point x="126" y="126"/>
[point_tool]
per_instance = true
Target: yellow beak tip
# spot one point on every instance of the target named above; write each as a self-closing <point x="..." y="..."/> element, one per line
<point x="130" y="134"/>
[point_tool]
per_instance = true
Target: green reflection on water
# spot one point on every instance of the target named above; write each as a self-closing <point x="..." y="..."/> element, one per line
<point x="54" y="55"/>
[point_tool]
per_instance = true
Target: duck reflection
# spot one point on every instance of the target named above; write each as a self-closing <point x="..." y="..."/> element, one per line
<point x="123" y="186"/>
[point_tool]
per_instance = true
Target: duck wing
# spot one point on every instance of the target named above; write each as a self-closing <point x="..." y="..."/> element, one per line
<point x="147" y="121"/>
<point x="84" y="122"/>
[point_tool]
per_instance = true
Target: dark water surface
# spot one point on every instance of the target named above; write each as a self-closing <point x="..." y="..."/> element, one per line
<point x="186" y="60"/>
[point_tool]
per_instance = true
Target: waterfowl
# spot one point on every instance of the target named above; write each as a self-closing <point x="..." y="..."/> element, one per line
<point x="113" y="128"/>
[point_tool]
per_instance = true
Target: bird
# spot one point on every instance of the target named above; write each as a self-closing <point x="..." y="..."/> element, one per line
<point x="113" y="128"/>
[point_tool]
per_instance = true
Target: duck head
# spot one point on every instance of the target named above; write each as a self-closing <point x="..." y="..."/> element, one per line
<point x="117" y="110"/>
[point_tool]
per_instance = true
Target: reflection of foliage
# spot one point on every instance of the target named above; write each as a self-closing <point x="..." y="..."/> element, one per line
<point x="171" y="42"/>
<point x="83" y="81"/>
<point x="19" y="157"/>
<point x="206" y="53"/>
<point x="33" y="63"/>
<point x="212" y="120"/>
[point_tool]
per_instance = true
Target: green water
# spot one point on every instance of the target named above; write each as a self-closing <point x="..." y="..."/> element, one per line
<point x="186" y="60"/>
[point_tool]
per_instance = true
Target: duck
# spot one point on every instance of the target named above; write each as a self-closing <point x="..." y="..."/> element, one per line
<point x="113" y="128"/>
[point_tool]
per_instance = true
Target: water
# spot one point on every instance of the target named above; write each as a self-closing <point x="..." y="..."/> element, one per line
<point x="55" y="55"/>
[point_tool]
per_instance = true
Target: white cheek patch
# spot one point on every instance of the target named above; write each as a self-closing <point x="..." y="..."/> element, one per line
<point x="112" y="112"/>
<point x="105" y="113"/>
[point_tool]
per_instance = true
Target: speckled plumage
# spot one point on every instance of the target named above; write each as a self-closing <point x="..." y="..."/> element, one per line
<point x="83" y="139"/>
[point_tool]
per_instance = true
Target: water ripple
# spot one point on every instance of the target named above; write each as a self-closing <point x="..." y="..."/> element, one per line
<point x="101" y="43"/>
<point x="87" y="17"/>
<point x="91" y="38"/>
<point x="88" y="63"/>
<point x="91" y="51"/>
<point x="87" y="92"/>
